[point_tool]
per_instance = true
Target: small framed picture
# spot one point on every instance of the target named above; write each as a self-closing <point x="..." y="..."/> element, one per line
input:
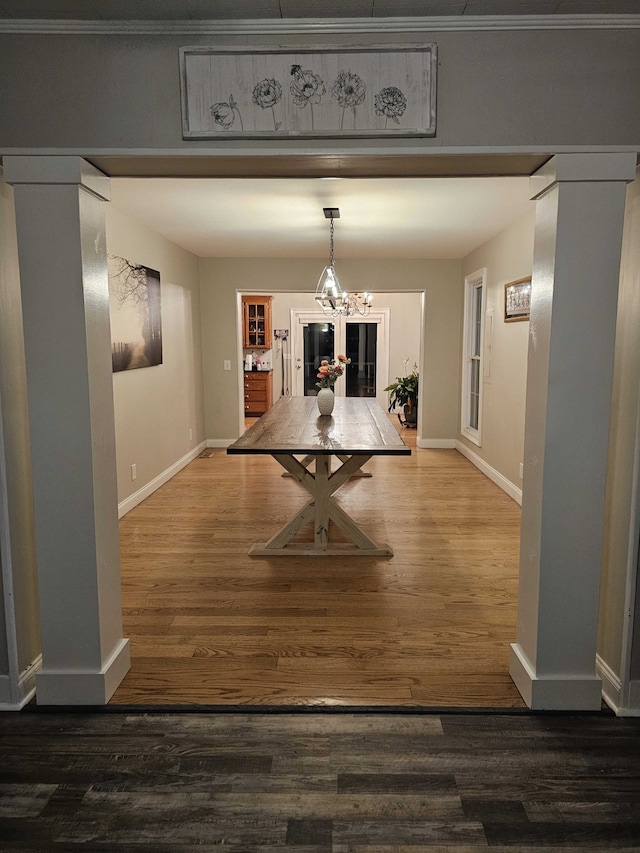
<point x="517" y="300"/>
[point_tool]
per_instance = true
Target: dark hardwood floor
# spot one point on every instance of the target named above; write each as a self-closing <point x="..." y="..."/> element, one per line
<point x="314" y="781"/>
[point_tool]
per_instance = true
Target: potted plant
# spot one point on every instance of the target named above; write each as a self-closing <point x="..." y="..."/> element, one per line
<point x="404" y="392"/>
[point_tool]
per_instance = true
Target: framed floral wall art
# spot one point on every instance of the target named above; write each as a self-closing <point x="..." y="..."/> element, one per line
<point x="334" y="92"/>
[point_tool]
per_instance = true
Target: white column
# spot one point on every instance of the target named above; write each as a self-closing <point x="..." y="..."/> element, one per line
<point x="63" y="271"/>
<point x="579" y="218"/>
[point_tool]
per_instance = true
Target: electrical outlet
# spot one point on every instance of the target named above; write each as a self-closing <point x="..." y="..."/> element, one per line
<point x="190" y="435"/>
<point x="134" y="471"/>
<point x="227" y="364"/>
<point x="521" y="471"/>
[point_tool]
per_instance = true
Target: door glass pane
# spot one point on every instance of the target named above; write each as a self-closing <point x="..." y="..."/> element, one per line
<point x="318" y="341"/>
<point x="362" y="345"/>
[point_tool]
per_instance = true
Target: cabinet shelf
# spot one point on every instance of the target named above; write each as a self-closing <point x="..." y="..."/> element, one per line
<point x="256" y="322"/>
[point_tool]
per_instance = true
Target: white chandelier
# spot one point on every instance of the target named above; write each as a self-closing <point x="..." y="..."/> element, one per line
<point x="329" y="294"/>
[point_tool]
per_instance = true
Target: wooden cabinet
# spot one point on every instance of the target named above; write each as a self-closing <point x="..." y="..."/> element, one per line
<point x="256" y="322"/>
<point x="258" y="392"/>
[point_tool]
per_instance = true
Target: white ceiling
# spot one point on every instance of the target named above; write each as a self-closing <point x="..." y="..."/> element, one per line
<point x="283" y="217"/>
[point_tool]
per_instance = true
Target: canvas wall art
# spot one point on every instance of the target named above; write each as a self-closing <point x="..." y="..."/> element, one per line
<point x="136" y="317"/>
<point x="333" y="92"/>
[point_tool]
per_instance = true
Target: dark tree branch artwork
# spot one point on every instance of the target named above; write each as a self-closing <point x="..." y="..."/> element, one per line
<point x="136" y="315"/>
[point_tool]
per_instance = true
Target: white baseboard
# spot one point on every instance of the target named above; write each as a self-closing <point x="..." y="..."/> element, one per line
<point x="5" y="693"/>
<point x="14" y="701"/>
<point x="554" y="693"/>
<point x="611" y="684"/>
<point x="506" y="485"/>
<point x="631" y="707"/>
<point x="436" y="443"/>
<point x="220" y="442"/>
<point x="133" y="500"/>
<point x="85" y="687"/>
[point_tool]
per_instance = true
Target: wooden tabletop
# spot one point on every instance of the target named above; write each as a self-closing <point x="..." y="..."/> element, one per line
<point x="293" y="425"/>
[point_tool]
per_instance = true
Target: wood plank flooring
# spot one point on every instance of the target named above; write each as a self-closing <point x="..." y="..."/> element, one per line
<point x="318" y="783"/>
<point x="429" y="627"/>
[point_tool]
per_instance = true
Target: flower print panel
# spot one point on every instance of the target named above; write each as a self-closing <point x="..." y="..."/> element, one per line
<point x="349" y="90"/>
<point x="266" y="94"/>
<point x="337" y="92"/>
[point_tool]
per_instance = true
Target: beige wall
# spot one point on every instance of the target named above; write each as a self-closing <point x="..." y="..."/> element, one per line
<point x="155" y="407"/>
<point x="223" y="278"/>
<point x="20" y="558"/>
<point x="623" y="445"/>
<point x="507" y="257"/>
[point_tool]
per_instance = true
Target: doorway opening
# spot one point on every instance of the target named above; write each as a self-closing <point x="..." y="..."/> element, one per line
<point x="364" y="340"/>
<point x="366" y="378"/>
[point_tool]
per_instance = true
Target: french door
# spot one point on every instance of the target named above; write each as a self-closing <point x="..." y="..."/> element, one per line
<point x="315" y="337"/>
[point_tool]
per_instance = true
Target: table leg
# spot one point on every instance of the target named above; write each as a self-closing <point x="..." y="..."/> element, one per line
<point x="321" y="495"/>
<point x="321" y="509"/>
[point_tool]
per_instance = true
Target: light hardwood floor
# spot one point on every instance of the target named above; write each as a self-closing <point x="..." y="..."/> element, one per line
<point x="430" y="626"/>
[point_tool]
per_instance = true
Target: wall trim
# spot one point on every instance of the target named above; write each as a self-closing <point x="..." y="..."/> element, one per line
<point x="220" y="442"/>
<point x="623" y="701"/>
<point x="323" y="26"/>
<point x="436" y="443"/>
<point x="611" y="684"/>
<point x="85" y="687"/>
<point x="499" y="479"/>
<point x="556" y="692"/>
<point x="336" y="150"/>
<point x="631" y="708"/>
<point x="11" y="700"/>
<point x="133" y="500"/>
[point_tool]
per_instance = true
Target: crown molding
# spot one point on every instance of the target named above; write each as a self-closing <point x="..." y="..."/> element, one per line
<point x="322" y="26"/>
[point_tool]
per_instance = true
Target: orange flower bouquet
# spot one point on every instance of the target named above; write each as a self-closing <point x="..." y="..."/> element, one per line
<point x="329" y="372"/>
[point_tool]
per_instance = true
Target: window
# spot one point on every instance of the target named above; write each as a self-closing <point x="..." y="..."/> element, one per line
<point x="472" y="355"/>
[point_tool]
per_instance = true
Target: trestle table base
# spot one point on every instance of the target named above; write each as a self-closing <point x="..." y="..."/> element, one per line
<point x="320" y="510"/>
<point x="309" y="459"/>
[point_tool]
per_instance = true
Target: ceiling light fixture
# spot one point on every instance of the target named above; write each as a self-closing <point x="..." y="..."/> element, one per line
<point x="329" y="294"/>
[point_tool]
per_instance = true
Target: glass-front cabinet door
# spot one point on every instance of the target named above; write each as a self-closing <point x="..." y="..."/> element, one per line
<point x="256" y="322"/>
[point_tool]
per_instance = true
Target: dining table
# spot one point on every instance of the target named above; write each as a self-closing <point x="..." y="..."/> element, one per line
<point x="333" y="449"/>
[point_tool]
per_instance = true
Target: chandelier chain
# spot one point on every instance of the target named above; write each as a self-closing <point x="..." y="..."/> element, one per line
<point x="331" y="242"/>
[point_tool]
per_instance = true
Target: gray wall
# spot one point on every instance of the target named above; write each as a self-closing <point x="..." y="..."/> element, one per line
<point x="505" y="89"/>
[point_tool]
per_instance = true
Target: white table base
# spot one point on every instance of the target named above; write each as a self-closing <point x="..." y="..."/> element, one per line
<point x="320" y="510"/>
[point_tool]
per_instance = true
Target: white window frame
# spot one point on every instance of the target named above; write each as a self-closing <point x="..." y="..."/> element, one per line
<point x="473" y="352"/>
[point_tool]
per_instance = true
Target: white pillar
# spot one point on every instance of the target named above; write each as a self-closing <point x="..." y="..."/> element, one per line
<point x="63" y="271"/>
<point x="579" y="219"/>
